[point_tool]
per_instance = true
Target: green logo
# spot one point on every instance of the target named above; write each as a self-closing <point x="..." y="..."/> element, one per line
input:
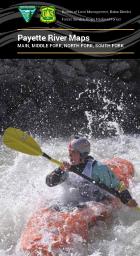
<point x="27" y="12"/>
<point x="47" y="14"/>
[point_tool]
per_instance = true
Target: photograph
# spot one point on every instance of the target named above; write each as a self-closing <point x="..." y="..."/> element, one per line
<point x="83" y="117"/>
<point x="69" y="130"/>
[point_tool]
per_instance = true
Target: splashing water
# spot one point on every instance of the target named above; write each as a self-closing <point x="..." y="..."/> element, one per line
<point x="90" y="121"/>
<point x="109" y="114"/>
<point x="23" y="191"/>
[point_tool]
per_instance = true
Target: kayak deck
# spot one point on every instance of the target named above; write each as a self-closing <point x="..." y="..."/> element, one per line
<point x="51" y="229"/>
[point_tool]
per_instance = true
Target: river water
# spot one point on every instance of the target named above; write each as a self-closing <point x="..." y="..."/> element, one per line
<point x="23" y="190"/>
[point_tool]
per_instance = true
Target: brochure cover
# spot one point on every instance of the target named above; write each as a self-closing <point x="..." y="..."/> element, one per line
<point x="69" y="129"/>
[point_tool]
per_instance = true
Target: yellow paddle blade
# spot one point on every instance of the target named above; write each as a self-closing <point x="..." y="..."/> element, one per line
<point x="21" y="141"/>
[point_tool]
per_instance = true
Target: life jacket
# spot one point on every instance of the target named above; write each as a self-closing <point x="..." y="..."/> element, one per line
<point x="88" y="170"/>
<point x="87" y="190"/>
<point x="101" y="174"/>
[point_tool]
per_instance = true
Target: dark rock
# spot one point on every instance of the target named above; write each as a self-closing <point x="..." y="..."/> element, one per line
<point x="62" y="97"/>
<point x="3" y="110"/>
<point x="64" y="71"/>
<point x="127" y="75"/>
<point x="118" y="67"/>
<point x="78" y="65"/>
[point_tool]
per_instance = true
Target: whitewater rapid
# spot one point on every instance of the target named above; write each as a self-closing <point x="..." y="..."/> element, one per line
<point x="23" y="190"/>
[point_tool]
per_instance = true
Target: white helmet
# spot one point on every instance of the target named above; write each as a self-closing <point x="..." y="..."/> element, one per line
<point x="80" y="144"/>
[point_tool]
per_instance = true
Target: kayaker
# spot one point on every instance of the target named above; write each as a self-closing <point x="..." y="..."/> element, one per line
<point x="83" y="164"/>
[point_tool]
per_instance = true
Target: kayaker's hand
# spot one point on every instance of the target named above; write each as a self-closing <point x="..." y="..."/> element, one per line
<point x="66" y="166"/>
<point x="132" y="203"/>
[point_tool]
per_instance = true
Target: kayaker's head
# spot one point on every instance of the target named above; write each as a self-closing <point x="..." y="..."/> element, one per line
<point x="79" y="148"/>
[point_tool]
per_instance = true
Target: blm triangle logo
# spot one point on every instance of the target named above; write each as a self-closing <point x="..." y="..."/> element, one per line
<point x="27" y="12"/>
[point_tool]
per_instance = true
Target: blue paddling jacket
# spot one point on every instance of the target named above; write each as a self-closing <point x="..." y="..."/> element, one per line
<point x="92" y="171"/>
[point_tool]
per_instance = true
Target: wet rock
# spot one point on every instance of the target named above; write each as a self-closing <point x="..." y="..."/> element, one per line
<point x="64" y="70"/>
<point x="118" y="67"/>
<point x="78" y="65"/>
<point x="98" y="75"/>
<point x="3" y="110"/>
<point x="127" y="75"/>
<point x="61" y="97"/>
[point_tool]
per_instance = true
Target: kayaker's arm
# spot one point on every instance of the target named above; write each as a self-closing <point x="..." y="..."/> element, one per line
<point x="56" y="177"/>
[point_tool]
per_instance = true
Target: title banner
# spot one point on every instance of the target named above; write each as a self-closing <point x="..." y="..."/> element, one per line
<point x="44" y="29"/>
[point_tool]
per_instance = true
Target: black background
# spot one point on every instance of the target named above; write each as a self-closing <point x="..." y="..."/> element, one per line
<point x="10" y="50"/>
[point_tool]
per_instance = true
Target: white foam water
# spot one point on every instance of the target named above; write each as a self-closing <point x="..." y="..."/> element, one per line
<point x="23" y="190"/>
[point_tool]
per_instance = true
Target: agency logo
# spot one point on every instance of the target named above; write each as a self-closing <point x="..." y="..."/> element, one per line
<point x="48" y="14"/>
<point x="27" y="12"/>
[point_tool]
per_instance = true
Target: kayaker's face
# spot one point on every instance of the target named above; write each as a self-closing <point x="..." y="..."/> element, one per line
<point x="74" y="157"/>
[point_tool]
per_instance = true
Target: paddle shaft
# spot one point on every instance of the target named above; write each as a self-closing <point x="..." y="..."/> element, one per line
<point x="100" y="185"/>
<point x="52" y="159"/>
<point x="46" y="156"/>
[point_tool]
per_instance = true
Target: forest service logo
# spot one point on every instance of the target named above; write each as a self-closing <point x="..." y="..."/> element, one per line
<point x="47" y="14"/>
<point x="27" y="12"/>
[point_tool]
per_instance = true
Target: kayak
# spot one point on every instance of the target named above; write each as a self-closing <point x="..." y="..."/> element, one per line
<point x="50" y="230"/>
